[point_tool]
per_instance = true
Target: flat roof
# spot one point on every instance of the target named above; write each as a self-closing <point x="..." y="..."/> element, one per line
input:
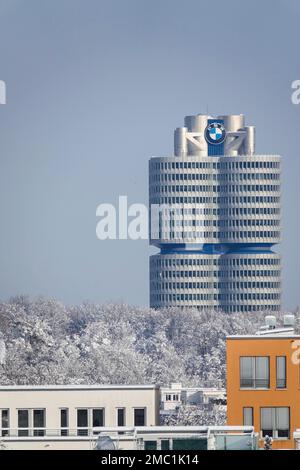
<point x="77" y="387"/>
<point x="274" y="336"/>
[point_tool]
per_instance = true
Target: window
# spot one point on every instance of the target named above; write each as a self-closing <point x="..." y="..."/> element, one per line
<point x="120" y="416"/>
<point x="281" y="372"/>
<point x="165" y="444"/>
<point x="64" y="421"/>
<point x="82" y="422"/>
<point x="98" y="417"/>
<point x="275" y="422"/>
<point x="254" y="372"/>
<point x="31" y="422"/>
<point x="23" y="422"/>
<point x="89" y="418"/>
<point x="150" y="445"/>
<point x="4" y="423"/>
<point x="140" y="417"/>
<point x="170" y="397"/>
<point x="38" y="422"/>
<point x="248" y="416"/>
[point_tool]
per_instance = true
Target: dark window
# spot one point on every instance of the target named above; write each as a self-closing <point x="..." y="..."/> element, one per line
<point x="98" y="417"/>
<point x="121" y="416"/>
<point x="38" y="422"/>
<point x="64" y="421"/>
<point x="150" y="445"/>
<point x="165" y="444"/>
<point x="4" y="422"/>
<point x="190" y="444"/>
<point x="82" y="422"/>
<point x="140" y="417"/>
<point x="23" y="422"/>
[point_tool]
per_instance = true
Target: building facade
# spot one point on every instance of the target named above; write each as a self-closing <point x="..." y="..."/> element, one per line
<point x="215" y="218"/>
<point x="263" y="382"/>
<point x="75" y="410"/>
<point x="95" y="417"/>
<point x="176" y="395"/>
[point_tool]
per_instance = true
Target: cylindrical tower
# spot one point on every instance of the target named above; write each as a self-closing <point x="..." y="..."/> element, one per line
<point x="216" y="209"/>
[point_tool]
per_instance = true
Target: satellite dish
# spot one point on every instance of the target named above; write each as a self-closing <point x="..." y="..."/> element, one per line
<point x="104" y="443"/>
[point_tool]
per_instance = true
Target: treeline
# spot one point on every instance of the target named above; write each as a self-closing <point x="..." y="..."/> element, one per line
<point x="43" y="341"/>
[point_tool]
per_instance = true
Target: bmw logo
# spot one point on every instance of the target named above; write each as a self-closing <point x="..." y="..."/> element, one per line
<point x="215" y="133"/>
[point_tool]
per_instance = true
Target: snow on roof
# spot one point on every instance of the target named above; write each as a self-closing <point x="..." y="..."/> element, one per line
<point x="77" y="387"/>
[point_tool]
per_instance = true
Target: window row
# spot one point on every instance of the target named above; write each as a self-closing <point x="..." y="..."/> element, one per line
<point x="216" y="200"/>
<point x="171" y="222"/>
<point x="255" y="372"/>
<point x="32" y="422"/>
<point x="214" y="165"/>
<point x="215" y="274"/>
<point x="215" y="285"/>
<point x="252" y="308"/>
<point x="160" y="262"/>
<point x="176" y="297"/>
<point x="180" y="235"/>
<point x="215" y="189"/>
<point x="165" y="177"/>
<point x="181" y="210"/>
<point x="274" y="421"/>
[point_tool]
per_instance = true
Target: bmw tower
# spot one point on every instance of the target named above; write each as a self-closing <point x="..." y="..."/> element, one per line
<point x="215" y="219"/>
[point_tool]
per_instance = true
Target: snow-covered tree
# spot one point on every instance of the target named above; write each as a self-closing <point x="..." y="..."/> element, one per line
<point x="192" y="415"/>
<point x="48" y="342"/>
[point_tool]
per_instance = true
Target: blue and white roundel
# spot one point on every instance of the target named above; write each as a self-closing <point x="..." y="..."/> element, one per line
<point x="215" y="133"/>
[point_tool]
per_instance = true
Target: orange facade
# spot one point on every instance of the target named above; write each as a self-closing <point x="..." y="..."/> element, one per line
<point x="274" y="403"/>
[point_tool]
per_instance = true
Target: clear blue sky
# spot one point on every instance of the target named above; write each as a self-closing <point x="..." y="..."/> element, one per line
<point x="97" y="87"/>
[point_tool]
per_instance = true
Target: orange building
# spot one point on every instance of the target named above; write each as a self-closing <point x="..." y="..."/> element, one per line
<point x="263" y="382"/>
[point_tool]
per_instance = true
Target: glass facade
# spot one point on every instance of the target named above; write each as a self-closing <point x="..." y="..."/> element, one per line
<point x="215" y="221"/>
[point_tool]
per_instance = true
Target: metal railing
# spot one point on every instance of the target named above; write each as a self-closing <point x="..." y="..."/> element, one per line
<point x="254" y="383"/>
<point x="48" y="432"/>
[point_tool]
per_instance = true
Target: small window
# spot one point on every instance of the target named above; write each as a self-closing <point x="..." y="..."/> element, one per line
<point x="281" y="372"/>
<point x="165" y="444"/>
<point x="150" y="445"/>
<point x="4" y="416"/>
<point x="23" y="423"/>
<point x="82" y="422"/>
<point x="98" y="417"/>
<point x="39" y="422"/>
<point x="121" y="417"/>
<point x="248" y="416"/>
<point x="139" y="417"/>
<point x="64" y="421"/>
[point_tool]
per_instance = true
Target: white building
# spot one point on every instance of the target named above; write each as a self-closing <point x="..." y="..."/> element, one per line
<point x="28" y="412"/>
<point x="176" y="395"/>
<point x="117" y="416"/>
